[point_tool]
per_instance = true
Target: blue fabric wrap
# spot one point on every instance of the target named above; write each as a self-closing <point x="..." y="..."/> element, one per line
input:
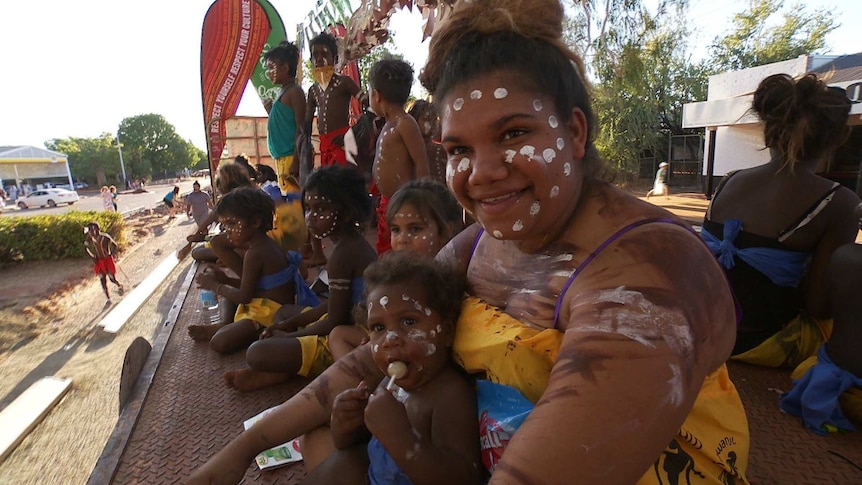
<point x="814" y="397"/>
<point x="304" y="295"/>
<point x="784" y="268"/>
<point x="382" y="469"/>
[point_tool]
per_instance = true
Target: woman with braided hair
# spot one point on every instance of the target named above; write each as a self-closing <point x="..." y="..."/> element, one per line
<point x="573" y="302"/>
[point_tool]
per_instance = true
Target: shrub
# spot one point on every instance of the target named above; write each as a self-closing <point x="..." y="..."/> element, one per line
<point x="53" y="237"/>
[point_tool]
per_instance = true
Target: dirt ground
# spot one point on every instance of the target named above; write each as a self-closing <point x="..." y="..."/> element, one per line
<point x="49" y="313"/>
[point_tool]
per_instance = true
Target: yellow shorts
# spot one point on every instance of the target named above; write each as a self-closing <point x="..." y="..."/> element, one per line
<point x="316" y="356"/>
<point x="259" y="310"/>
<point x="285" y="180"/>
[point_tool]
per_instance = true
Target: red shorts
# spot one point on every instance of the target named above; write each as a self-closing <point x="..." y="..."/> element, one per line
<point x="384" y="241"/>
<point x="331" y="154"/>
<point x="105" y="266"/>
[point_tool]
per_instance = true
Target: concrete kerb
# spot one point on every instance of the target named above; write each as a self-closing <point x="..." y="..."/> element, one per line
<point x="109" y="460"/>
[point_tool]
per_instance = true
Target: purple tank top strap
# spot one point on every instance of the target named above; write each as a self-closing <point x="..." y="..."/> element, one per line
<point x="475" y="244"/>
<point x="600" y="248"/>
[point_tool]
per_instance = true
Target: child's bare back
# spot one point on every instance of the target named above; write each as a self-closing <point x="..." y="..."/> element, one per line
<point x="401" y="155"/>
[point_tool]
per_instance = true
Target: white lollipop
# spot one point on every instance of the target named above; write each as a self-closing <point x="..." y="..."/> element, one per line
<point x="396" y="370"/>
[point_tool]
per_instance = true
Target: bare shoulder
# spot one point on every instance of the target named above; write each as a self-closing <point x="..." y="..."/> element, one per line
<point x="654" y="281"/>
<point x="457" y="251"/>
<point x="350" y="258"/>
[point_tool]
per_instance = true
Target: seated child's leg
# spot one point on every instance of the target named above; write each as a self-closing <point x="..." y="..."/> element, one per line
<point x="317" y="446"/>
<point x="204" y="333"/>
<point x="234" y="336"/>
<point x="342" y="467"/>
<point x="272" y="361"/>
<point x="287" y="311"/>
<point x="344" y="338"/>
<point x="226" y="253"/>
<point x="204" y="253"/>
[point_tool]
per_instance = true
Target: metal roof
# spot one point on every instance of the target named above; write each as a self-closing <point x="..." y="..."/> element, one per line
<point x="29" y="152"/>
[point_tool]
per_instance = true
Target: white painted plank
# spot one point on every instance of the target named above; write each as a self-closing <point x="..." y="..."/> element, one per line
<point x="133" y="300"/>
<point x="25" y="412"/>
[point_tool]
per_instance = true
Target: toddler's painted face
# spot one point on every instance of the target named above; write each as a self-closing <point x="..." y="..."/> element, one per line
<point x="409" y="230"/>
<point x="239" y="231"/>
<point x="320" y="215"/>
<point x="404" y="329"/>
<point x="512" y="163"/>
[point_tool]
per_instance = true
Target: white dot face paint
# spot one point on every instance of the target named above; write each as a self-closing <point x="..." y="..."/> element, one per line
<point x="549" y="154"/>
<point x="552" y="122"/>
<point x="537" y="105"/>
<point x="518" y="226"/>
<point x="390" y="336"/>
<point x="384" y="300"/>
<point x="555" y="191"/>
<point x="497" y="234"/>
<point x="528" y="151"/>
<point x="560" y="143"/>
<point x="476" y="94"/>
<point x="567" y="169"/>
<point x="464" y="164"/>
<point x="458" y="104"/>
<point x="510" y="155"/>
<point x="535" y="208"/>
<point x="501" y="93"/>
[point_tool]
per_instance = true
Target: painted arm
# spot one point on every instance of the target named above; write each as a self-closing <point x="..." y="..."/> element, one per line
<point x="307" y="410"/>
<point x="640" y="337"/>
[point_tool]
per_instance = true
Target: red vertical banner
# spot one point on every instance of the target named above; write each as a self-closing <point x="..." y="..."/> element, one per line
<point x="234" y="35"/>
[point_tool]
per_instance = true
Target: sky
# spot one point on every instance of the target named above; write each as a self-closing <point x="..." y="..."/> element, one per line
<point x="76" y="68"/>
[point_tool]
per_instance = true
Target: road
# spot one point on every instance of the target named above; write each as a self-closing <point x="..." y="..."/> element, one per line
<point x="92" y="201"/>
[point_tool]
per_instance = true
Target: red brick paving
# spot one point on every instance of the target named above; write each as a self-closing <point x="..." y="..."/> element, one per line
<point x="783" y="451"/>
<point x="189" y="415"/>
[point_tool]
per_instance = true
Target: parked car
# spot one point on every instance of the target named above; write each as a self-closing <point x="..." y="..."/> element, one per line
<point x="48" y="197"/>
<point x="201" y="173"/>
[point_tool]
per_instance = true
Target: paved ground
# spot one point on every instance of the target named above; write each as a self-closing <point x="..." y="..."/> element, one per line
<point x="189" y="414"/>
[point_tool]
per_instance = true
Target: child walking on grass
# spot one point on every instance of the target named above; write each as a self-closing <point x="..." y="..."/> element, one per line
<point x="336" y="206"/>
<point x="103" y="249"/>
<point x="421" y="420"/>
<point x="268" y="281"/>
<point x="422" y="217"/>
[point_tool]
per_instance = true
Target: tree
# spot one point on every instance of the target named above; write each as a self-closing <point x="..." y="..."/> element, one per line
<point x="93" y="159"/>
<point x="754" y="40"/>
<point x="152" y="148"/>
<point x="642" y="75"/>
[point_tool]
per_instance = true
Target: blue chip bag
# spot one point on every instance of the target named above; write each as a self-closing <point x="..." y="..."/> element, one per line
<point x="502" y="409"/>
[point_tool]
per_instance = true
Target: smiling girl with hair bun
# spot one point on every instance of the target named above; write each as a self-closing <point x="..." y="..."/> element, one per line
<point x="574" y="301"/>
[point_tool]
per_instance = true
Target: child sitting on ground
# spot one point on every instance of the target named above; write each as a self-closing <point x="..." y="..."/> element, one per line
<point x="422" y="217"/>
<point x="422" y="418"/>
<point x="336" y="206"/>
<point x="102" y="248"/>
<point x="269" y="279"/>
<point x="401" y="153"/>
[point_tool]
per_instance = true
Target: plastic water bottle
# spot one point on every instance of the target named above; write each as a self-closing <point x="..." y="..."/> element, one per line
<point x="209" y="302"/>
